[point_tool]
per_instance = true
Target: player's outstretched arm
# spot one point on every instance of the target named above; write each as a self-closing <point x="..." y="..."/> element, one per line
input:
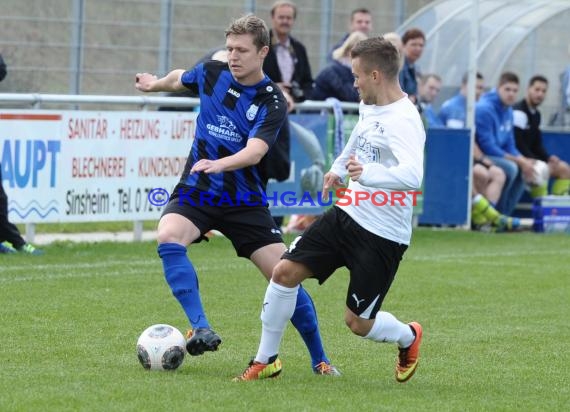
<point x="146" y="82"/>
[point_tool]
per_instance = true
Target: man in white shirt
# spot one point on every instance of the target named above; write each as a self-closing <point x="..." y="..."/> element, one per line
<point x="383" y="155"/>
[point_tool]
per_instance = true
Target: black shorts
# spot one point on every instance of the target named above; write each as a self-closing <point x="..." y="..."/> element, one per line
<point x="479" y="162"/>
<point x="336" y="240"/>
<point x="247" y="227"/>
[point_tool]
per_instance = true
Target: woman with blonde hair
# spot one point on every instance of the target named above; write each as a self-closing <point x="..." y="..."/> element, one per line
<point x="396" y="40"/>
<point x="336" y="79"/>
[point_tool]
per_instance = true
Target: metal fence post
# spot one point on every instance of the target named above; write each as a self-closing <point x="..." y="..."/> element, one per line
<point x="249" y="6"/>
<point x="76" y="47"/>
<point x="165" y="51"/>
<point x="326" y="25"/>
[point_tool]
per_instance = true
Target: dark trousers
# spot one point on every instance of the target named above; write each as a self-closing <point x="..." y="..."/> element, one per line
<point x="8" y="231"/>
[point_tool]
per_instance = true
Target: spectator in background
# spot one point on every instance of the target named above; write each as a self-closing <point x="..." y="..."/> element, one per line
<point x="11" y="241"/>
<point x="336" y="80"/>
<point x="488" y="183"/>
<point x="414" y="41"/>
<point x="396" y="40"/>
<point x="494" y="134"/>
<point x="360" y="20"/>
<point x="528" y="139"/>
<point x="453" y="112"/>
<point x="429" y="87"/>
<point x="287" y="63"/>
<point x="488" y="178"/>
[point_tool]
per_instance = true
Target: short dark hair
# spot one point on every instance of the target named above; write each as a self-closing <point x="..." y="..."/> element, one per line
<point x="508" y="77"/>
<point x="413" y="33"/>
<point x="362" y="10"/>
<point x="253" y="25"/>
<point x="537" y="78"/>
<point x="378" y="53"/>
<point x="465" y="77"/>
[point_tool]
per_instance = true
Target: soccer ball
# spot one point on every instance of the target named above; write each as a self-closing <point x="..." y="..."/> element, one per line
<point x="161" y="347"/>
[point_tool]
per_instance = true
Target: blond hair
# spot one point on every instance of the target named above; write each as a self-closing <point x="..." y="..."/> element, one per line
<point x="351" y="41"/>
<point x="252" y="25"/>
<point x="396" y="40"/>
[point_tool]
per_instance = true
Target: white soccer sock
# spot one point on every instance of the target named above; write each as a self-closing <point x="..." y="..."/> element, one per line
<point x="387" y="328"/>
<point x="278" y="307"/>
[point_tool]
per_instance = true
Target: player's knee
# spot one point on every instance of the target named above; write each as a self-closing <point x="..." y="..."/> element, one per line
<point x="497" y="174"/>
<point x="512" y="170"/>
<point x="163" y="236"/>
<point x="480" y="174"/>
<point x="284" y="274"/>
<point x="168" y="234"/>
<point x="564" y="170"/>
<point x="356" y="324"/>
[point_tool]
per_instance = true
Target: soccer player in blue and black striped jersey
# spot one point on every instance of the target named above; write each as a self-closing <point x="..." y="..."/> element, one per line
<point x="223" y="184"/>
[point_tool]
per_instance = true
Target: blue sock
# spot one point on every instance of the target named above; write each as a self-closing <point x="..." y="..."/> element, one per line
<point x="305" y="321"/>
<point x="183" y="282"/>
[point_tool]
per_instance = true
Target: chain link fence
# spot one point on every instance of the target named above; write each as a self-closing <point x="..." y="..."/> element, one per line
<point x="96" y="46"/>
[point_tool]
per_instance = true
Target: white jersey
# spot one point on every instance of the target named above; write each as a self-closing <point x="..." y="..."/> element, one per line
<point x="389" y="142"/>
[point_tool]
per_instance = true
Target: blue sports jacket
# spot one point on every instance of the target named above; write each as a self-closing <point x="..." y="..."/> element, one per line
<point x="494" y="126"/>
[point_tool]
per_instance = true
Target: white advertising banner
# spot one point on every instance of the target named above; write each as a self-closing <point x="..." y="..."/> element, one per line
<point x="81" y="166"/>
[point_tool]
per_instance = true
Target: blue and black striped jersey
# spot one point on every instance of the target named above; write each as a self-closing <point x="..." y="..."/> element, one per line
<point x="230" y="114"/>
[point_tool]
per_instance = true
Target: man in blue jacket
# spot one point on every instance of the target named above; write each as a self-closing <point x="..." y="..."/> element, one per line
<point x="453" y="112"/>
<point x="495" y="136"/>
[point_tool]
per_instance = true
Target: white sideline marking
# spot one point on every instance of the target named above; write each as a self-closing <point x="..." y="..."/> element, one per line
<point x="454" y="257"/>
<point x="130" y="267"/>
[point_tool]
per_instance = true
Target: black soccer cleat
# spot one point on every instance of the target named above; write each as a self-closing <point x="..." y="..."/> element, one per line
<point x="201" y="340"/>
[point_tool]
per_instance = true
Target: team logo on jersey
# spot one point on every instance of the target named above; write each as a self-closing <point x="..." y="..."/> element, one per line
<point x="226" y="123"/>
<point x="251" y="112"/>
<point x="367" y="153"/>
<point x="269" y="89"/>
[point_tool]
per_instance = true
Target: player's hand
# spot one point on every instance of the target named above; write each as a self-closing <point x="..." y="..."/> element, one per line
<point x="330" y="180"/>
<point x="354" y="168"/>
<point x="207" y="166"/>
<point x="553" y="159"/>
<point x="145" y="81"/>
<point x="285" y="87"/>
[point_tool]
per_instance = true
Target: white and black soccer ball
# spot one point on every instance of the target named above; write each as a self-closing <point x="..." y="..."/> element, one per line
<point x="161" y="347"/>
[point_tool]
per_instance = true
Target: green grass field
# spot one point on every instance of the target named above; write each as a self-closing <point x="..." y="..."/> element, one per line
<point x="494" y="310"/>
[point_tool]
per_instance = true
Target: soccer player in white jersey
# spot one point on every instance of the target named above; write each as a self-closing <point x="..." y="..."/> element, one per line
<point x="384" y="154"/>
